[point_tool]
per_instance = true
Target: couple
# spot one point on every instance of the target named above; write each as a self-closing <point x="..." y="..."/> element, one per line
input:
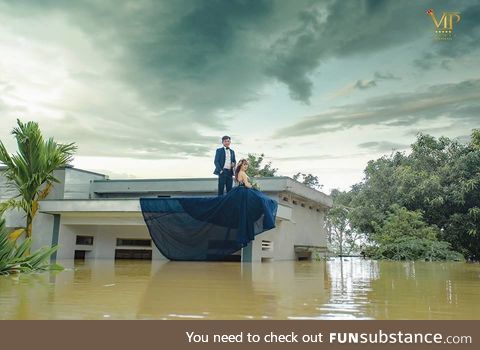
<point x="225" y="163"/>
<point x="212" y="227"/>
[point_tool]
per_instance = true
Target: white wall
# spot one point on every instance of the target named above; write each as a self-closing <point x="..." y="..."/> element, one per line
<point x="104" y="240"/>
<point x="305" y="228"/>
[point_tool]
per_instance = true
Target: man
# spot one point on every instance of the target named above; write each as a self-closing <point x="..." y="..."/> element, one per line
<point x="225" y="165"/>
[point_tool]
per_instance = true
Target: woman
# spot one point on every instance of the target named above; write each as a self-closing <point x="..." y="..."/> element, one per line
<point x="241" y="177"/>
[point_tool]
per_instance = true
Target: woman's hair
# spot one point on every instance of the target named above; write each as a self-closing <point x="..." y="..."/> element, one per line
<point x="239" y="167"/>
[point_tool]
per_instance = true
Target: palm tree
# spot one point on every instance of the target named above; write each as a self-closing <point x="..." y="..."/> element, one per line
<point x="30" y="171"/>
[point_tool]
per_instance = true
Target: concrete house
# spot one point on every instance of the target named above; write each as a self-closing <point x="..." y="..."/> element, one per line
<point x="92" y="217"/>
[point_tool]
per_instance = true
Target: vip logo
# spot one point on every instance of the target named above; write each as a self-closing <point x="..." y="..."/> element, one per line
<point x="444" y="26"/>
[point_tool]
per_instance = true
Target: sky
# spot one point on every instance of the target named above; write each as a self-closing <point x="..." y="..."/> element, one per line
<point x="146" y="89"/>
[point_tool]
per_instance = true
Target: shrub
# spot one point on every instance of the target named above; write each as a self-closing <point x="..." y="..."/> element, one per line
<point x="16" y="259"/>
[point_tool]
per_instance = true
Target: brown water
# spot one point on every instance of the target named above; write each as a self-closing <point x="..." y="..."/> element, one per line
<point x="352" y="289"/>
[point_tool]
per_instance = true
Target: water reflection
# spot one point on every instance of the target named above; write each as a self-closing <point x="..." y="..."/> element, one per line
<point x="335" y="289"/>
<point x="349" y="281"/>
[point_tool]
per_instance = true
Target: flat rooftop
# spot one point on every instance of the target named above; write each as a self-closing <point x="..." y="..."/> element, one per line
<point x="200" y="186"/>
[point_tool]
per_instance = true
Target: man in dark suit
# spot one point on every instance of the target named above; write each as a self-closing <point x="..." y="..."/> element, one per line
<point x="225" y="165"/>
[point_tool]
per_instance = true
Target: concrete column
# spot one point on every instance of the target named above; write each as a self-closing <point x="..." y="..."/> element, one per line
<point x="247" y="252"/>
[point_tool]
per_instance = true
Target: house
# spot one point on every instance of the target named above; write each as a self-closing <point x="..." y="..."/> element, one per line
<point x="92" y="217"/>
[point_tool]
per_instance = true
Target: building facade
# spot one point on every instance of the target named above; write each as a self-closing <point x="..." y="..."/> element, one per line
<point x="92" y="217"/>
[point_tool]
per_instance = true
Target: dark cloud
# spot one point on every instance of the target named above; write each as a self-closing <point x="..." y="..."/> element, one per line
<point x="386" y="76"/>
<point x="434" y="130"/>
<point x="425" y="61"/>
<point x="210" y="55"/>
<point x="363" y="85"/>
<point x="343" y="28"/>
<point x="382" y="146"/>
<point x="464" y="42"/>
<point x="458" y="102"/>
<point x="184" y="65"/>
<point x="174" y="67"/>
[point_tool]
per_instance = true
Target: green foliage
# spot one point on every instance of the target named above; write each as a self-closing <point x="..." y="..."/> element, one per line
<point x="475" y="142"/>
<point x="439" y="181"/>
<point x="16" y="259"/>
<point x="309" y="180"/>
<point x="412" y="248"/>
<point x="30" y="171"/>
<point x="404" y="235"/>
<point x="401" y="223"/>
<point x="256" y="169"/>
<point x="343" y="239"/>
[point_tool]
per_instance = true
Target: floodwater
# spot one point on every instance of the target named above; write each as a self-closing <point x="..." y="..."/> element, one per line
<point x="350" y="289"/>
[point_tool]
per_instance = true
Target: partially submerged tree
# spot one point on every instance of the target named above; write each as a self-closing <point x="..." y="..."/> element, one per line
<point x="30" y="172"/>
<point x="343" y="239"/>
<point x="440" y="179"/>
<point x="404" y="235"/>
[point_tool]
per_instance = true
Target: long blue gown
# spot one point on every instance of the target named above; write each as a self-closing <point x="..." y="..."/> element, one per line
<point x="208" y="228"/>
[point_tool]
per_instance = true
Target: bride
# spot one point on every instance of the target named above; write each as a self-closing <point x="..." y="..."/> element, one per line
<point x="241" y="177"/>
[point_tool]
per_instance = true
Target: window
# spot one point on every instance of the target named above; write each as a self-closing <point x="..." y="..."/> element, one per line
<point x="140" y="254"/>
<point x="134" y="242"/>
<point x="84" y="240"/>
<point x="79" y="255"/>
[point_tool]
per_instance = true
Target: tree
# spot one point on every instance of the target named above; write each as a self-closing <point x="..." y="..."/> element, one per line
<point x="475" y="141"/>
<point x="255" y="168"/>
<point x="30" y="171"/>
<point x="405" y="236"/>
<point x="343" y="239"/>
<point x="402" y="222"/>
<point x="309" y="180"/>
<point x="440" y="178"/>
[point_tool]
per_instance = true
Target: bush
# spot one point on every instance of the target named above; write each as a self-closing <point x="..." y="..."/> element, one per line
<point x="404" y="235"/>
<point x="408" y="248"/>
<point x="15" y="259"/>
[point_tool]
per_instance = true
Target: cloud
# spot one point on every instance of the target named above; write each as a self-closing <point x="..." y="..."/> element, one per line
<point x="464" y="42"/>
<point x="145" y="79"/>
<point x="459" y="102"/>
<point x="383" y="146"/>
<point x="336" y="30"/>
<point x="156" y="79"/>
<point x="108" y="138"/>
<point x="432" y="130"/>
<point x="319" y="157"/>
<point x="363" y="84"/>
<point x="341" y="29"/>
<point x="465" y="139"/>
<point x="386" y="76"/>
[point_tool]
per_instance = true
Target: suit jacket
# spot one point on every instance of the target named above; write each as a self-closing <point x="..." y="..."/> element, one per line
<point x="220" y="157"/>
